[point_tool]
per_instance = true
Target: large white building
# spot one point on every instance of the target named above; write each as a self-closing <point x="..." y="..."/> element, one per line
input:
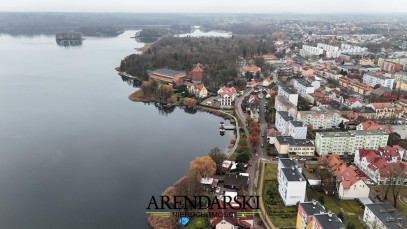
<point x="226" y="96"/>
<point x="330" y="50"/>
<point x="287" y="93"/>
<point x="287" y="126"/>
<point x="373" y="79"/>
<point x="321" y="118"/>
<point x="291" y="183"/>
<point x="347" y="142"/>
<point x="307" y="51"/>
<point x="383" y="216"/>
<point x="303" y="88"/>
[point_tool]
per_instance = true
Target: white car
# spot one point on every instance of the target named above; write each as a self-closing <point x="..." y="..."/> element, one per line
<point x="303" y="159"/>
<point x="217" y="189"/>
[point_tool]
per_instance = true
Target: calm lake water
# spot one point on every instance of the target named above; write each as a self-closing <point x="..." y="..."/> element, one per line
<point x="74" y="151"/>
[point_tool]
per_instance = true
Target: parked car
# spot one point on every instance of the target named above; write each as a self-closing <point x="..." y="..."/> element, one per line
<point x="217" y="189"/>
<point x="380" y="198"/>
<point x="262" y="145"/>
<point x="303" y="159"/>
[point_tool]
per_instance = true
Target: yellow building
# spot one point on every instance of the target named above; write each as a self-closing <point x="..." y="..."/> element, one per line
<point x="366" y="62"/>
<point x="400" y="79"/>
<point x="287" y="145"/>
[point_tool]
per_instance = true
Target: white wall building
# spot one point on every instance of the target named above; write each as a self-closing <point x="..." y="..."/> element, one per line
<point x="383" y="216"/>
<point x="291" y="183"/>
<point x="287" y="126"/>
<point x="303" y="88"/>
<point x="372" y="80"/>
<point x="289" y="94"/>
<point x="321" y="118"/>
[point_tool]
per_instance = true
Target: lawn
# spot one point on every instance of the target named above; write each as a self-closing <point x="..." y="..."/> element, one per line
<point x="280" y="215"/>
<point x="350" y="207"/>
<point x="400" y="205"/>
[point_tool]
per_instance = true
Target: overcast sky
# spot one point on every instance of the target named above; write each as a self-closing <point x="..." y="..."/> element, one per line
<point x="206" y="6"/>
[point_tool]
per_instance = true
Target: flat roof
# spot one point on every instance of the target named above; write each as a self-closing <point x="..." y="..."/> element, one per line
<point x="289" y="162"/>
<point x="388" y="215"/>
<point x="302" y="82"/>
<point x="292" y="174"/>
<point x="351" y="132"/>
<point x="297" y="123"/>
<point x="312" y="208"/>
<point x="288" y="140"/>
<point x="330" y="221"/>
<point x="286" y="89"/>
<point x="284" y="115"/>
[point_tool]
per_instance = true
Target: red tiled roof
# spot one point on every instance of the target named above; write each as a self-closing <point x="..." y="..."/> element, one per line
<point x="251" y="69"/>
<point x="382" y="105"/>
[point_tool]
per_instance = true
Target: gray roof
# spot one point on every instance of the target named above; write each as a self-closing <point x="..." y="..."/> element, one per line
<point x="167" y="72"/>
<point x="288" y="140"/>
<point x="302" y="82"/>
<point x="329" y="221"/>
<point x="297" y="123"/>
<point x="286" y="89"/>
<point x="284" y="101"/>
<point x="312" y="208"/>
<point x="289" y="162"/>
<point x="292" y="174"/>
<point x="321" y="110"/>
<point x="364" y="109"/>
<point x="388" y="215"/>
<point x="350" y="133"/>
<point x="284" y="115"/>
<point x="381" y="91"/>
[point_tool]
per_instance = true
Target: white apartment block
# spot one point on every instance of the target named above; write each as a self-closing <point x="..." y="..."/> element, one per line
<point x="330" y="50"/>
<point x="372" y="80"/>
<point x="303" y="88"/>
<point x="287" y="126"/>
<point x="289" y="94"/>
<point x="291" y="183"/>
<point x="307" y="51"/>
<point x="383" y="216"/>
<point x="322" y="118"/>
<point x="347" y="142"/>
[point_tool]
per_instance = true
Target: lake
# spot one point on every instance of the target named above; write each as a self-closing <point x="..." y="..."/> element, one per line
<point x="75" y="152"/>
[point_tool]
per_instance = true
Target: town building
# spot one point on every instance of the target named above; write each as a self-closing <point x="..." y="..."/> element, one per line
<point x="282" y="104"/>
<point x="355" y="85"/>
<point x="342" y="143"/>
<point x="271" y="135"/>
<point x="320" y="118"/>
<point x="305" y="212"/>
<point x="402" y="103"/>
<point x="370" y="125"/>
<point x="386" y="111"/>
<point x="226" y="96"/>
<point x="326" y="221"/>
<point x="270" y="59"/>
<point x="267" y="82"/>
<point x="287" y="145"/>
<point x="308" y="51"/>
<point x="349" y="185"/>
<point x="383" y="216"/>
<point x="199" y="90"/>
<point x="167" y="75"/>
<point x="291" y="183"/>
<point x="290" y="95"/>
<point x="366" y="112"/>
<point x="390" y="66"/>
<point x="252" y="69"/>
<point x="287" y="126"/>
<point x="400" y="79"/>
<point x="373" y="79"/>
<point x="380" y="165"/>
<point x="197" y="73"/>
<point x="303" y="88"/>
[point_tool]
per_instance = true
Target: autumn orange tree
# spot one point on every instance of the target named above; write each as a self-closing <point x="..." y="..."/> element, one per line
<point x="189" y="102"/>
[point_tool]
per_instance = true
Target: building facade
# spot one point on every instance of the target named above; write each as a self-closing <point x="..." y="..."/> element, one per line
<point x="291" y="183"/>
<point x="373" y="79"/>
<point x="287" y="145"/>
<point x="322" y="118"/>
<point x="303" y="88"/>
<point x="383" y="216"/>
<point x="343" y="143"/>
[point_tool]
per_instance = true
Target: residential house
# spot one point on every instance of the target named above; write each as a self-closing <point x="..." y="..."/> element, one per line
<point x="287" y="145"/>
<point x="383" y="216"/>
<point x="227" y="96"/>
<point x="287" y="126"/>
<point x="282" y="104"/>
<point x="267" y="82"/>
<point x="326" y="221"/>
<point x="390" y="66"/>
<point x="320" y="118"/>
<point x="303" y="88"/>
<point x="253" y="107"/>
<point x="353" y="102"/>
<point x="252" y="69"/>
<point x="378" y="78"/>
<point x="290" y="95"/>
<point x="402" y="103"/>
<point x="270" y="59"/>
<point x="386" y="111"/>
<point x="366" y="112"/>
<point x="291" y="184"/>
<point x="355" y="85"/>
<point x="313" y="97"/>
<point x="199" y="90"/>
<point x="380" y="91"/>
<point x="305" y="212"/>
<point x="370" y="125"/>
<point x="380" y="165"/>
<point x="236" y="181"/>
<point x="349" y="185"/>
<point x="347" y="142"/>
